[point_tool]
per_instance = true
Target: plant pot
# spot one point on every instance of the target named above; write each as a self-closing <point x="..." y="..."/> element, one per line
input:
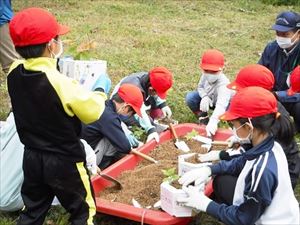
<point x="168" y="197"/>
<point x="184" y="166"/>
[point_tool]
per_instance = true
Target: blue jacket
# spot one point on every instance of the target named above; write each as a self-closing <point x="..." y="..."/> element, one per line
<point x="6" y="12"/>
<point x="109" y="126"/>
<point x="281" y="64"/>
<point x="263" y="182"/>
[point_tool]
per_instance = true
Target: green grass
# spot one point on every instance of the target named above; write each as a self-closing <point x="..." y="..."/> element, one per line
<point x="138" y="35"/>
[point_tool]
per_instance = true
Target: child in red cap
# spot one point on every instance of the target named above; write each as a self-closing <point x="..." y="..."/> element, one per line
<point x="154" y="86"/>
<point x="109" y="136"/>
<point x="294" y="89"/>
<point x="48" y="109"/>
<point x="211" y="92"/>
<point x="259" y="177"/>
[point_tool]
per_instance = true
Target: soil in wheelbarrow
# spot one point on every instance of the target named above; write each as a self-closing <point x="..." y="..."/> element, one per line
<point x="143" y="183"/>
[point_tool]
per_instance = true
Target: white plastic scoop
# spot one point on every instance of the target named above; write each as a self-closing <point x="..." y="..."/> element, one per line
<point x="181" y="145"/>
<point x="209" y="141"/>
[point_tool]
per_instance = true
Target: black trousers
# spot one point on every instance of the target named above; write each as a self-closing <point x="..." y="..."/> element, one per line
<point x="224" y="186"/>
<point x="47" y="175"/>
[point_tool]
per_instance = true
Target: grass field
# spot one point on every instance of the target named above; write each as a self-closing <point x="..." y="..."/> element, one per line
<point x="138" y="35"/>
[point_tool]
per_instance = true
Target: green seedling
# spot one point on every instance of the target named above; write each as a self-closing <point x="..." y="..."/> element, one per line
<point x="170" y="174"/>
<point x="191" y="134"/>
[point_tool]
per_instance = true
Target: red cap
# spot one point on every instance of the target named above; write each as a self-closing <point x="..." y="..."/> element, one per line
<point x="250" y="102"/>
<point x="34" y="26"/>
<point x="295" y="81"/>
<point x="161" y="79"/>
<point x="133" y="96"/>
<point x="253" y="75"/>
<point x="212" y="60"/>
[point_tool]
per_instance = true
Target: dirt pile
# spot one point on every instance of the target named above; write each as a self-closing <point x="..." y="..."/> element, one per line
<point x="143" y="183"/>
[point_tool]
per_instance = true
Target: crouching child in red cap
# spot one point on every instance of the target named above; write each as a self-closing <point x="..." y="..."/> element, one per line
<point x="109" y="136"/>
<point x="262" y="181"/>
<point x="154" y="86"/>
<point x="211" y="92"/>
<point x="48" y="109"/>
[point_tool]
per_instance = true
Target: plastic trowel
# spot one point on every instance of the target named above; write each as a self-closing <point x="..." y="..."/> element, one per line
<point x="209" y="141"/>
<point x="181" y="145"/>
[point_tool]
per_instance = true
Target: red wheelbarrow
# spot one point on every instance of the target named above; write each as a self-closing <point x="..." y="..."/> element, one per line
<point x="129" y="162"/>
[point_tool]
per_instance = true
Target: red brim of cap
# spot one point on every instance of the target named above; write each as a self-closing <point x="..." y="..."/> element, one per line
<point x="137" y="110"/>
<point x="234" y="86"/>
<point x="162" y="95"/>
<point x="63" y="29"/>
<point x="210" y="67"/>
<point x="227" y="116"/>
<point x="290" y="92"/>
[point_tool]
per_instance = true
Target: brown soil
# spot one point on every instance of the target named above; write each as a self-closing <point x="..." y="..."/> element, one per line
<point x="193" y="159"/>
<point x="143" y="183"/>
<point x="176" y="185"/>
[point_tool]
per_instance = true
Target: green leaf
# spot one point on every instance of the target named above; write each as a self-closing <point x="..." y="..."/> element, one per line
<point x="191" y="134"/>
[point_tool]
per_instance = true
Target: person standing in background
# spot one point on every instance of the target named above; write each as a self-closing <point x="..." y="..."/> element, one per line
<point x="7" y="50"/>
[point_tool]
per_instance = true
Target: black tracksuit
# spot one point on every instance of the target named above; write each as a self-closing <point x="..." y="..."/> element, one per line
<point x="48" y="109"/>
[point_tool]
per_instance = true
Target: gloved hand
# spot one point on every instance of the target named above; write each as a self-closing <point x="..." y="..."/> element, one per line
<point x="196" y="198"/>
<point x="210" y="156"/>
<point x="232" y="140"/>
<point x="205" y="104"/>
<point x="134" y="142"/>
<point x="154" y="136"/>
<point x="104" y="83"/>
<point x="199" y="176"/>
<point x="211" y="127"/>
<point x="166" y="111"/>
<point x="90" y="158"/>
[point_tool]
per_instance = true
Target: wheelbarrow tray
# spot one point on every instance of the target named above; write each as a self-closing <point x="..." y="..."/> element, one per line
<point x="129" y="162"/>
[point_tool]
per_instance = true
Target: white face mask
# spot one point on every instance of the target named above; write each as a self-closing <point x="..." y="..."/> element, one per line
<point x="211" y="77"/>
<point x="246" y="140"/>
<point x="285" y="43"/>
<point x="61" y="49"/>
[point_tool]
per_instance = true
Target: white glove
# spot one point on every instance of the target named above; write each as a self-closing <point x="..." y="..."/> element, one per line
<point x="210" y="156"/>
<point x="90" y="158"/>
<point x="211" y="127"/>
<point x="232" y="140"/>
<point x="166" y="111"/>
<point x="154" y="136"/>
<point x="205" y="103"/>
<point x="196" y="198"/>
<point x="199" y="176"/>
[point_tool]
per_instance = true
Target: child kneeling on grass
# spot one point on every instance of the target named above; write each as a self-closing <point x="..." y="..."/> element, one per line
<point x="259" y="177"/>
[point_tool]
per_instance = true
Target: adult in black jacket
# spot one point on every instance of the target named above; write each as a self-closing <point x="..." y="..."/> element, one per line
<point x="281" y="57"/>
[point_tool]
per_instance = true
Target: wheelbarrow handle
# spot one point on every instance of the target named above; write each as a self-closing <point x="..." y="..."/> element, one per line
<point x="173" y="131"/>
<point x="144" y="156"/>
